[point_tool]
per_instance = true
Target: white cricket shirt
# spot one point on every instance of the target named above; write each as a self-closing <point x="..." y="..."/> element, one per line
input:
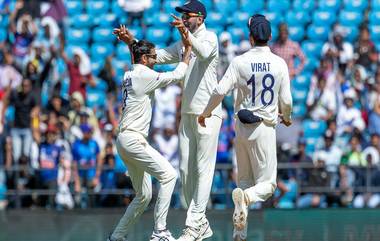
<point x="138" y="95"/>
<point x="262" y="82"/>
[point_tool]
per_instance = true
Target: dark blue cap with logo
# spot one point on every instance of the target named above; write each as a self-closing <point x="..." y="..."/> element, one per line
<point x="193" y="6"/>
<point x="259" y="27"/>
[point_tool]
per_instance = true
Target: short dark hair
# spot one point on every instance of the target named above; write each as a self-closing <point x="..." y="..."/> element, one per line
<point x="140" y="48"/>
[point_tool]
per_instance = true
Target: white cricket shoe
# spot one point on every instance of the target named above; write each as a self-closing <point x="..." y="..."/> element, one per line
<point x="196" y="234"/>
<point x="240" y="235"/>
<point x="241" y="209"/>
<point x="163" y="235"/>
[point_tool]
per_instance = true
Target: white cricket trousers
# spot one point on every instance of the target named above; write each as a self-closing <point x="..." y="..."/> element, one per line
<point x="143" y="162"/>
<point x="198" y="147"/>
<point x="256" y="156"/>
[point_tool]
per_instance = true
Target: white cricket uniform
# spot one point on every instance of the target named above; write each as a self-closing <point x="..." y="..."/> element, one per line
<point x="262" y="82"/>
<point x="198" y="145"/>
<point x="142" y="160"/>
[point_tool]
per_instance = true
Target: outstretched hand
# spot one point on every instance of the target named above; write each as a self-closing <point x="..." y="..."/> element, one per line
<point x="178" y="23"/>
<point x="123" y="34"/>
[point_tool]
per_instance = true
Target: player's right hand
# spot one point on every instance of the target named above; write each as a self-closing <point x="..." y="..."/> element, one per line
<point x="124" y="34"/>
<point x="202" y="119"/>
<point x="286" y="123"/>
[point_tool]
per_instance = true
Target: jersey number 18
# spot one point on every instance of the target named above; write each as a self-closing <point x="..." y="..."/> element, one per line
<point x="266" y="88"/>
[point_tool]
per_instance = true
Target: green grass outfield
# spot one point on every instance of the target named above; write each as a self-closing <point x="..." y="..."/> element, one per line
<point x="268" y="225"/>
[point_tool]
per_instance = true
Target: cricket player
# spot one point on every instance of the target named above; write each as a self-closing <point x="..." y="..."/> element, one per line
<point x="198" y="145"/>
<point x="142" y="160"/>
<point x="262" y="82"/>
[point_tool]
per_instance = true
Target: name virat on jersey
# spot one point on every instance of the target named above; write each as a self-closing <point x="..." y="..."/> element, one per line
<point x="260" y="67"/>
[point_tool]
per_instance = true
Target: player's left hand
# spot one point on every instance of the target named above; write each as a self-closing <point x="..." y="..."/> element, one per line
<point x="178" y="23"/>
<point x="202" y="119"/>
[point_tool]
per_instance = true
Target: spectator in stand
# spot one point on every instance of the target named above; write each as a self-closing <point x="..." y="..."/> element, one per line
<point x="365" y="50"/>
<point x="353" y="156"/>
<point x="374" y="116"/>
<point x="325" y="71"/>
<point x="166" y="141"/>
<point x="26" y="108"/>
<point x="299" y="157"/>
<point x="344" y="188"/>
<point x="289" y="51"/>
<point x="227" y="51"/>
<point x="49" y="159"/>
<point x="8" y="73"/>
<point x="371" y="153"/>
<point x="87" y="165"/>
<point x="79" y="70"/>
<point x="349" y="117"/>
<point x="108" y="74"/>
<point x="321" y="102"/>
<point x="135" y="10"/>
<point x="28" y="7"/>
<point x="342" y="52"/>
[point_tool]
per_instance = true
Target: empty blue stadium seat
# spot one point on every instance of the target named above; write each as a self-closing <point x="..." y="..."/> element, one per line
<point x="122" y="52"/>
<point x="323" y="18"/>
<point x="375" y="32"/>
<point x="351" y="33"/>
<point x="318" y="33"/>
<point x="95" y="98"/>
<point x="100" y="51"/>
<point x="299" y="110"/>
<point x="97" y="8"/>
<point x="311" y="143"/>
<point x="3" y="34"/>
<point x="226" y="6"/>
<point x="355" y="5"/>
<point x="296" y="33"/>
<point x="74" y="7"/>
<point x="159" y="19"/>
<point x="4" y="20"/>
<point x="377" y="45"/>
<point x="107" y="20"/>
<point x="240" y="19"/>
<point x="81" y="21"/>
<point x="375" y="5"/>
<point x="137" y="32"/>
<point x="103" y="34"/>
<point x="313" y="128"/>
<point x="247" y="6"/>
<point x="294" y="18"/>
<point x="303" y="5"/>
<point x="311" y="63"/>
<point x="161" y="35"/>
<point x="350" y="18"/>
<point x="374" y="17"/>
<point x="278" y="5"/>
<point x="116" y="9"/>
<point x="169" y="5"/>
<point x="96" y="66"/>
<point x="238" y="34"/>
<point x="329" y="5"/>
<point x="299" y="95"/>
<point x="312" y="48"/>
<point x="119" y="67"/>
<point x="302" y="81"/>
<point x="74" y="36"/>
<point x="154" y="8"/>
<point x="216" y="19"/>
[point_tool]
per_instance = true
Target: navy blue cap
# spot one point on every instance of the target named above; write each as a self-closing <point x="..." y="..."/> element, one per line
<point x="85" y="128"/>
<point x="193" y="6"/>
<point x="259" y="27"/>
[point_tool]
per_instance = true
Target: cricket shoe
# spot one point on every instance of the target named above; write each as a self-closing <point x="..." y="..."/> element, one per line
<point x="163" y="235"/>
<point x="240" y="235"/>
<point x="241" y="209"/>
<point x="120" y="239"/>
<point x="196" y="234"/>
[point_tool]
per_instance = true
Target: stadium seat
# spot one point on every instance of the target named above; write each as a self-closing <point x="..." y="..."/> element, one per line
<point x="74" y="7"/>
<point x="237" y="34"/>
<point x="311" y="63"/>
<point x="102" y="34"/>
<point x="119" y="67"/>
<point x="296" y="33"/>
<point x="278" y="5"/>
<point x="375" y="32"/>
<point x="351" y="33"/>
<point x="95" y="98"/>
<point x="3" y="34"/>
<point x="123" y="53"/>
<point x="247" y="6"/>
<point x="275" y="18"/>
<point x="355" y="5"/>
<point x="312" y="48"/>
<point x="303" y="5"/>
<point x="97" y="8"/>
<point x="155" y="8"/>
<point x="161" y="35"/>
<point x="329" y="5"/>
<point x="299" y="95"/>
<point x="137" y="32"/>
<point x="349" y="18"/>
<point x="99" y="51"/>
<point x="311" y="142"/>
<point x="226" y="7"/>
<point x="240" y="19"/>
<point x="81" y="21"/>
<point x="302" y="81"/>
<point x="318" y="33"/>
<point x="169" y="5"/>
<point x="299" y="110"/>
<point x="116" y="9"/>
<point x="324" y="18"/>
<point x="75" y="36"/>
<point x="216" y="19"/>
<point x="297" y="18"/>
<point x="4" y="20"/>
<point x="96" y="66"/>
<point x="377" y="45"/>
<point x="375" y="5"/>
<point x="159" y="20"/>
<point x="374" y="17"/>
<point x="313" y="128"/>
<point x="107" y="20"/>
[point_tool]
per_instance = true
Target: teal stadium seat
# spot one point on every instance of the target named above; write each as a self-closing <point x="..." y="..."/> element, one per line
<point x="302" y="81"/>
<point x="375" y="32"/>
<point x="158" y="35"/>
<point x="299" y="95"/>
<point x="99" y="51"/>
<point x="77" y="36"/>
<point x="123" y="53"/>
<point x="274" y="17"/>
<point x="97" y="8"/>
<point x="116" y="9"/>
<point x="4" y="21"/>
<point x="238" y="34"/>
<point x="247" y="6"/>
<point x="314" y="128"/>
<point x="107" y="20"/>
<point x="159" y="20"/>
<point x="375" y="5"/>
<point x="296" y="33"/>
<point x="74" y="7"/>
<point x="355" y="5"/>
<point x="278" y="5"/>
<point x="312" y="49"/>
<point x="294" y="18"/>
<point x="103" y="34"/>
<point x="170" y="5"/>
<point x="299" y="111"/>
<point x="3" y="34"/>
<point x="374" y="17"/>
<point x="304" y="5"/>
<point x="329" y="5"/>
<point x="311" y="63"/>
<point x="81" y="21"/>
<point x="351" y="33"/>
<point x="324" y="18"/>
<point x="96" y="66"/>
<point x="216" y="19"/>
<point x="350" y="18"/>
<point x="318" y="33"/>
